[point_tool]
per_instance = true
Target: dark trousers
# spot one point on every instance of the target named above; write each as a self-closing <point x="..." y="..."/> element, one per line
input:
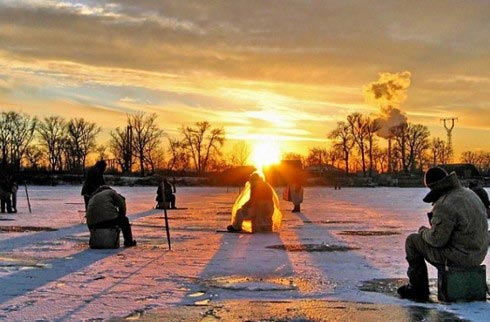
<point x="417" y="252"/>
<point x="5" y="201"/>
<point x="122" y="222"/>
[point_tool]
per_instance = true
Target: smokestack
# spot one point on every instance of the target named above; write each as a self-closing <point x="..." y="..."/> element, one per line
<point x="388" y="93"/>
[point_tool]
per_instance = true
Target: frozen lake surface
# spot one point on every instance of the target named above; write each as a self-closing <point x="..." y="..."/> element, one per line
<point x="346" y="245"/>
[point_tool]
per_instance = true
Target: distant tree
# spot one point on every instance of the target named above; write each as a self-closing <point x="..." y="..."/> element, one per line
<point x="80" y="141"/>
<point x="179" y="160"/>
<point x="34" y="156"/>
<point x="439" y="151"/>
<point x="120" y="145"/>
<point x="479" y="159"/>
<point x="316" y="156"/>
<point x="16" y="134"/>
<point x="52" y="136"/>
<point x="380" y="159"/>
<point x="292" y="156"/>
<point x="411" y="140"/>
<point x="240" y="153"/>
<point x="471" y="157"/>
<point x="201" y="142"/>
<point x="372" y="126"/>
<point x="146" y="137"/>
<point x="342" y="141"/>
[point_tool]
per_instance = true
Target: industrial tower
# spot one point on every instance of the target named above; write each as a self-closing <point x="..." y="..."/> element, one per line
<point x="449" y="129"/>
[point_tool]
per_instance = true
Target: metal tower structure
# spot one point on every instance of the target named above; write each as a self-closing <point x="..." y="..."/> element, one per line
<point x="449" y="125"/>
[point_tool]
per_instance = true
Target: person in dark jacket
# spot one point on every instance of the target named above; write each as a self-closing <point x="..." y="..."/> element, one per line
<point x="166" y="192"/>
<point x="106" y="209"/>
<point x="458" y="233"/>
<point x="5" y="188"/>
<point x="93" y="180"/>
<point x="477" y="188"/>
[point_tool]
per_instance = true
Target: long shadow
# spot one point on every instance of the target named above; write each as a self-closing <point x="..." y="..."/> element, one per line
<point x="19" y="283"/>
<point x="235" y="269"/>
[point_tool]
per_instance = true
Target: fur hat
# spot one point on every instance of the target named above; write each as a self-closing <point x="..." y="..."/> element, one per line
<point x="434" y="175"/>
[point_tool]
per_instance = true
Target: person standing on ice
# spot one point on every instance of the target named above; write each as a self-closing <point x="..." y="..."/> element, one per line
<point x="259" y="208"/>
<point x="106" y="209"/>
<point x="93" y="180"/>
<point x="458" y="233"/>
<point x="477" y="188"/>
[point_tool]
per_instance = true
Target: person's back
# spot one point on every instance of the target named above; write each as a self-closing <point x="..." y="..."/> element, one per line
<point x="106" y="209"/>
<point x="105" y="205"/>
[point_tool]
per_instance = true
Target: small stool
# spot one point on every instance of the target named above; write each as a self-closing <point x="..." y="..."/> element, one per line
<point x="103" y="238"/>
<point x="461" y="283"/>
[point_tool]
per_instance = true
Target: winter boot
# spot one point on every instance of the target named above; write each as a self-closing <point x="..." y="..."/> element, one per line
<point x="412" y="293"/>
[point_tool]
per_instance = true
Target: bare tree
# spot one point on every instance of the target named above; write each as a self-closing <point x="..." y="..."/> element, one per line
<point x="146" y="137"/>
<point x="411" y="140"/>
<point x="343" y="141"/>
<point x="358" y="127"/>
<point x="52" y="136"/>
<point x="372" y="126"/>
<point x="316" y="156"/>
<point x="440" y="151"/>
<point x="178" y="155"/>
<point x="16" y="134"/>
<point x="240" y="153"/>
<point x="120" y="145"/>
<point x="80" y="141"/>
<point x="34" y="156"/>
<point x="201" y="142"/>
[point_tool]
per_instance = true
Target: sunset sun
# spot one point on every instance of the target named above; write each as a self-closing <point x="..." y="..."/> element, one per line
<point x="265" y="153"/>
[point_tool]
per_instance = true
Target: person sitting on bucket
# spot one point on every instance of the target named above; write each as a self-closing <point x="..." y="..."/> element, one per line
<point x="106" y="209"/>
<point x="165" y="191"/>
<point x="259" y="208"/>
<point x="458" y="233"/>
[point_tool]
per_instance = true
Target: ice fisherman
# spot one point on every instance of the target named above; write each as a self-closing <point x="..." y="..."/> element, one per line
<point x="106" y="209"/>
<point x="458" y="233"/>
<point x="256" y="203"/>
<point x="93" y="180"/>
<point x="6" y="188"/>
<point x="166" y="192"/>
<point x="477" y="188"/>
<point x="294" y="191"/>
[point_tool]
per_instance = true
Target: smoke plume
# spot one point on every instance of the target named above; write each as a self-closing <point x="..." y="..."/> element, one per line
<point x="388" y="93"/>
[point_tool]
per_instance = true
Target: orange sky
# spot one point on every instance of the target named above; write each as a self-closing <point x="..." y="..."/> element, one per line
<point x="282" y="69"/>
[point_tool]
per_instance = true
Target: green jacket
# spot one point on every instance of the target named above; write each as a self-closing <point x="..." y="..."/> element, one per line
<point x="106" y="204"/>
<point x="459" y="224"/>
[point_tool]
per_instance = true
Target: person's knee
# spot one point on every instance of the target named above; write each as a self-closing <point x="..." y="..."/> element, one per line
<point x="413" y="239"/>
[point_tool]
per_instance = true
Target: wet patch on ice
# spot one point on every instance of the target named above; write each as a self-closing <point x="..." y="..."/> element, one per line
<point x="255" y="284"/>
<point x="11" y="264"/>
<point x="368" y="233"/>
<point x="24" y="229"/>
<point x="228" y="213"/>
<point x="312" y="248"/>
<point x="330" y="222"/>
<point x="295" y="311"/>
<point x="389" y="286"/>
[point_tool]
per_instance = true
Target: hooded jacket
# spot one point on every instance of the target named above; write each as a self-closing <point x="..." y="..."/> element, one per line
<point x="106" y="204"/>
<point x="459" y="224"/>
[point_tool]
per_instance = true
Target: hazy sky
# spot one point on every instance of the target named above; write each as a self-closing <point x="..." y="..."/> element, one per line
<point x="286" y="69"/>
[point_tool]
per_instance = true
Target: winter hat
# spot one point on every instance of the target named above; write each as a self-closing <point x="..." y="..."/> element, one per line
<point x="434" y="175"/>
